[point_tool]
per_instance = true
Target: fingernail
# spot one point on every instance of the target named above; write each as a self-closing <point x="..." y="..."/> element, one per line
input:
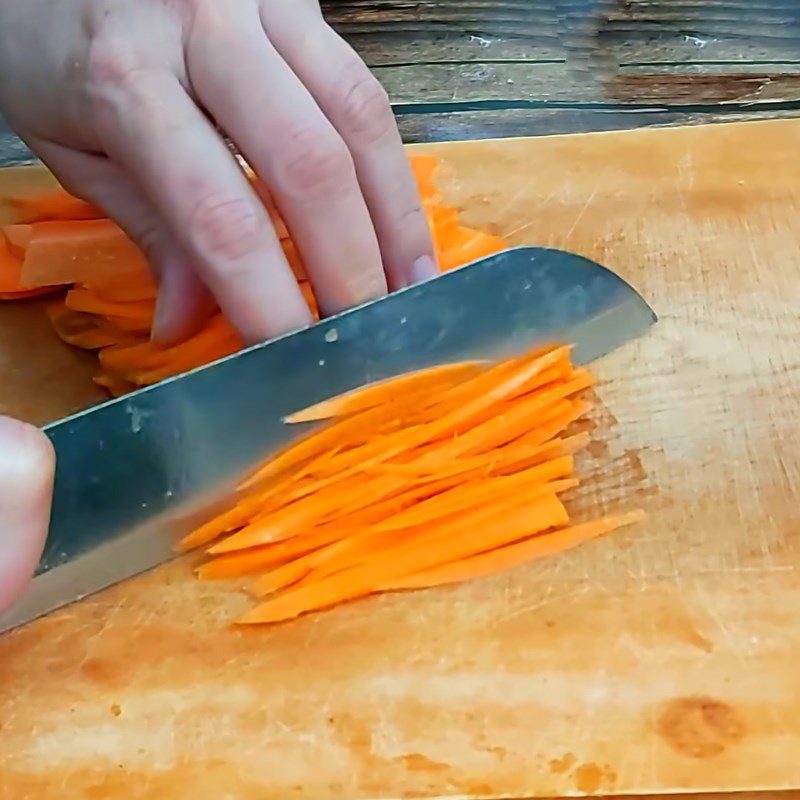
<point x="423" y="269"/>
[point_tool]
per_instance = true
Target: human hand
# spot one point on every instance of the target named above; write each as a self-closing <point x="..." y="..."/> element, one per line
<point x="117" y="97"/>
<point x="26" y="486"/>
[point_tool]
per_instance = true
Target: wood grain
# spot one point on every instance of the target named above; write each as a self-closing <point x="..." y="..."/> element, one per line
<point x="662" y="659"/>
<point x="559" y="66"/>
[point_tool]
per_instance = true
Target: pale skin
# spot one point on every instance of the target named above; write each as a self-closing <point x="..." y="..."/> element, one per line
<point x="117" y="97"/>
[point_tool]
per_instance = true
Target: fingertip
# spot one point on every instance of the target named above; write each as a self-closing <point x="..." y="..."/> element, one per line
<point x="423" y="269"/>
<point x="24" y="451"/>
<point x="184" y="304"/>
<point x="27" y="466"/>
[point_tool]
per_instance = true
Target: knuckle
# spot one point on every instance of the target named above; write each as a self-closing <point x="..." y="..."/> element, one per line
<point x="149" y="238"/>
<point x="110" y="62"/>
<point x="188" y="10"/>
<point x="365" y="108"/>
<point x="316" y="163"/>
<point x="225" y="227"/>
<point x="413" y="219"/>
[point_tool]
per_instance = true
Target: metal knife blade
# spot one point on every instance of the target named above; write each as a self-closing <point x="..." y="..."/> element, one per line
<point x="135" y="474"/>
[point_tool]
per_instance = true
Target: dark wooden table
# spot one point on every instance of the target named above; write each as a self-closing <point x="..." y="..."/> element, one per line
<point x="458" y="69"/>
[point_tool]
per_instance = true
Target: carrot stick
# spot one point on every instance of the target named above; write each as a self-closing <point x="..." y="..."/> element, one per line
<point x="17" y="238"/>
<point x="115" y="386"/>
<point x="11" y="287"/>
<point x="355" y="548"/>
<point x="227" y="521"/>
<point x="373" y="545"/>
<point x="299" y="517"/>
<point x="25" y="294"/>
<point x="320" y="441"/>
<point x="502" y="428"/>
<point x="425" y="168"/>
<point x="258" y="558"/>
<point x="285" y="575"/>
<point x="78" y="329"/>
<point x="10" y="269"/>
<point x="78" y="252"/>
<point x="375" y="393"/>
<point x="468" y="496"/>
<point x="87" y="301"/>
<point x="499" y="526"/>
<point x="133" y="287"/>
<point x="509" y="382"/>
<point x="513" y="555"/>
<point x="516" y="454"/>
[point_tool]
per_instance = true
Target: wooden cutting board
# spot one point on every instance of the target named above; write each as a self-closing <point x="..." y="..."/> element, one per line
<point x="663" y="658"/>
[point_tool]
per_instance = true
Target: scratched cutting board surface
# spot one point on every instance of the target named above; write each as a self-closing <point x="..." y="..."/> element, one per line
<point x="664" y="658"/>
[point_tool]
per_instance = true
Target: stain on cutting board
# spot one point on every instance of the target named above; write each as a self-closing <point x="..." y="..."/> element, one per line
<point x="700" y="727"/>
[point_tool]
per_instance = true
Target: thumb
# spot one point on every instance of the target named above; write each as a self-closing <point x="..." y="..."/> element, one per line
<point x="27" y="464"/>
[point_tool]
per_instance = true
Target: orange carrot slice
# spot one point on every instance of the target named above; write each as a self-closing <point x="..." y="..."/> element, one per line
<point x="451" y="506"/>
<point x="498" y="526"/>
<point x="117" y="387"/>
<point x="78" y="329"/>
<point x="87" y="301"/>
<point x="462" y="245"/>
<point x="17" y="238"/>
<point x="79" y="252"/>
<point x="11" y="287"/>
<point x="513" y="555"/>
<point x="375" y="393"/>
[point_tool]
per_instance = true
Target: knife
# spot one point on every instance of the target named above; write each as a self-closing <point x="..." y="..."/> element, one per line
<point x="135" y="474"/>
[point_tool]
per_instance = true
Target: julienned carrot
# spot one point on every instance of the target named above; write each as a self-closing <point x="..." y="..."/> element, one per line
<point x="134" y="288"/>
<point x="298" y="518"/>
<point x="514" y="421"/>
<point x="462" y="246"/>
<point x="353" y="551"/>
<point x="438" y="474"/>
<point x="500" y="526"/>
<point x="512" y="555"/>
<point x="456" y="511"/>
<point x="508" y="385"/>
<point x="321" y="441"/>
<point x="116" y="387"/>
<point x="228" y="520"/>
<point x="517" y="455"/>
<point x="257" y="559"/>
<point x="11" y="287"/>
<point x="26" y="294"/>
<point x="78" y="329"/>
<point x="17" y="238"/>
<point x="426" y="168"/>
<point x="244" y="562"/>
<point x="10" y="269"/>
<point x="467" y="496"/>
<point x="375" y="393"/>
<point x="87" y="301"/>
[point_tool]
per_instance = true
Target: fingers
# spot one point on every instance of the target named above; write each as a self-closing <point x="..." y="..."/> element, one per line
<point x="357" y="105"/>
<point x="27" y="464"/>
<point x="290" y="143"/>
<point x="151" y="128"/>
<point x="184" y="303"/>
